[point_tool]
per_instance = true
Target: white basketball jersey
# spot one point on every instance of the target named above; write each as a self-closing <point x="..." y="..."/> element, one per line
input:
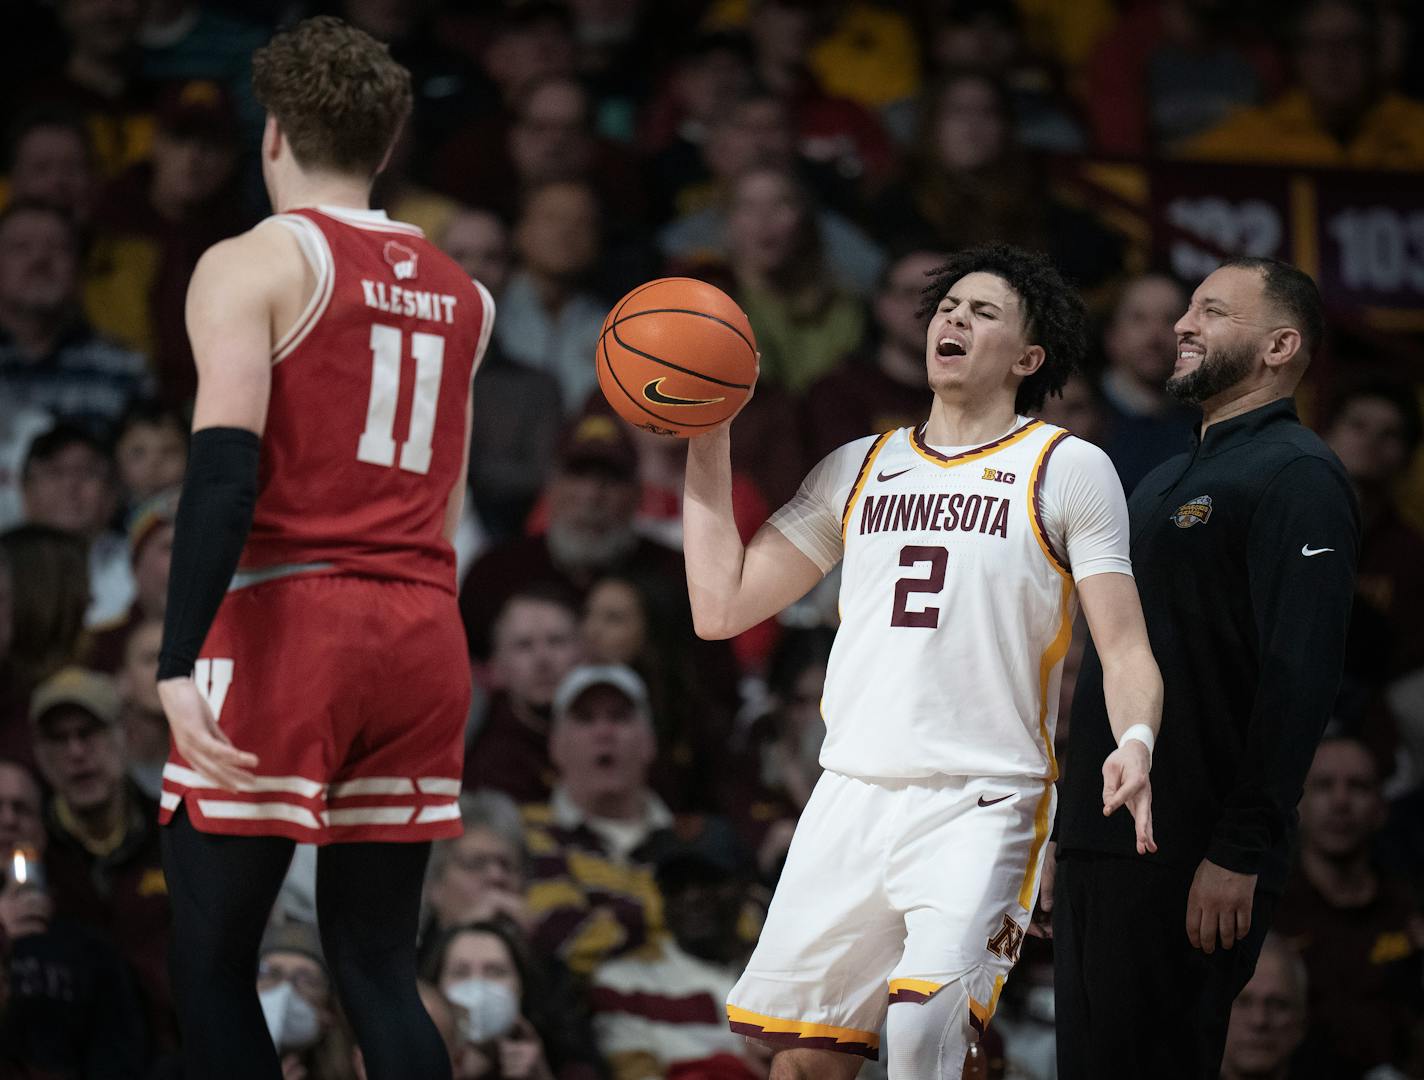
<point x="956" y="613"/>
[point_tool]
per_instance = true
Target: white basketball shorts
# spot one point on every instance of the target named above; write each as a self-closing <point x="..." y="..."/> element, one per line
<point x="892" y="889"/>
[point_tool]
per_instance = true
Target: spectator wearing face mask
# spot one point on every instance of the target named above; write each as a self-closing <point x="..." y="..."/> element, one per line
<point x="294" y="987"/>
<point x="513" y="1024"/>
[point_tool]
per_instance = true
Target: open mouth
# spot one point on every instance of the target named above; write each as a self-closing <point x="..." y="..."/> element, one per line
<point x="948" y="347"/>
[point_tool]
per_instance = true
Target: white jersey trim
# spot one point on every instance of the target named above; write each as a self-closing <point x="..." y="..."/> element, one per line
<point x="372" y="220"/>
<point x="486" y="327"/>
<point x="318" y="255"/>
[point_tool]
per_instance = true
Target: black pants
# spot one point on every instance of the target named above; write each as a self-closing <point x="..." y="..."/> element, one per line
<point x="1133" y="999"/>
<point x="222" y="888"/>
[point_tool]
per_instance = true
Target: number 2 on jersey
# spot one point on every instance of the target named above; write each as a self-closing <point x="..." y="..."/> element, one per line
<point x="378" y="443"/>
<point x="912" y="555"/>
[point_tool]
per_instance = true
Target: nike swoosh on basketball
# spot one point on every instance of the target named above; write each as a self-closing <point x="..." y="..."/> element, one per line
<point x="1308" y="551"/>
<point x="883" y="476"/>
<point x="991" y="802"/>
<point x="653" y="392"/>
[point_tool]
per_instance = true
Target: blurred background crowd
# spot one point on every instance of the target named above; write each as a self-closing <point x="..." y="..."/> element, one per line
<point x="631" y="790"/>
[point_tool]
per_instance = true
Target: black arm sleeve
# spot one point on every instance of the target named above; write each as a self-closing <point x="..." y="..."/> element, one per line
<point x="1302" y="549"/>
<point x="214" y="514"/>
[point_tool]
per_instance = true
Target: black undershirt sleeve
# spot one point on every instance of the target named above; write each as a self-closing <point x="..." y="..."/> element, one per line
<point x="1303" y="545"/>
<point x="214" y="515"/>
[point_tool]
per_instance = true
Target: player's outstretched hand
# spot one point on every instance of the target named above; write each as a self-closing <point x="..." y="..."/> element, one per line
<point x="200" y="740"/>
<point x="1127" y="782"/>
<point x="1219" y="906"/>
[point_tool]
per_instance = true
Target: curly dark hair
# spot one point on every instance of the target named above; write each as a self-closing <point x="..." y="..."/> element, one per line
<point x="337" y="94"/>
<point x="1054" y="314"/>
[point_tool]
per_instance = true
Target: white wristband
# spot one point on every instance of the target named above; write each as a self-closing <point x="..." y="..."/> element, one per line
<point x="1143" y="734"/>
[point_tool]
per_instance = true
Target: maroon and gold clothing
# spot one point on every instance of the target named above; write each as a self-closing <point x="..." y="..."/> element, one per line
<point x="121" y="893"/>
<point x="1390" y="583"/>
<point x="1364" y="966"/>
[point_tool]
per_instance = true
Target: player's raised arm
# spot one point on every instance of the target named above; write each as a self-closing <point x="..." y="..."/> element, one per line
<point x="732" y="586"/>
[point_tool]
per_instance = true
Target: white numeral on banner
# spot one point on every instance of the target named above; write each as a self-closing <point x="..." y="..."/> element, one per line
<point x="378" y="444"/>
<point x="213" y="678"/>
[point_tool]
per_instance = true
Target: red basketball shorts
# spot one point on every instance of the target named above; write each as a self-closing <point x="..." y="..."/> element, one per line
<point x="353" y="693"/>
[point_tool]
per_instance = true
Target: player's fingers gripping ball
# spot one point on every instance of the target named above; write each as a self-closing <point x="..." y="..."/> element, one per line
<point x="676" y="357"/>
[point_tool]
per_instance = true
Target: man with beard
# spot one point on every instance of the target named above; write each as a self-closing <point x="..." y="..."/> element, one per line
<point x="592" y="499"/>
<point x="1244" y="551"/>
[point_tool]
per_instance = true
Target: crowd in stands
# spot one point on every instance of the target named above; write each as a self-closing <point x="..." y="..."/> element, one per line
<point x="631" y="790"/>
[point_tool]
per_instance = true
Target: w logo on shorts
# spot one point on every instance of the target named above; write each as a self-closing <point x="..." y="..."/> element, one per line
<point x="213" y="678"/>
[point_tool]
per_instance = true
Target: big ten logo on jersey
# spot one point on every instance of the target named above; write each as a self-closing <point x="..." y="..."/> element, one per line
<point x="213" y="678"/>
<point x="1005" y="941"/>
<point x="1000" y="477"/>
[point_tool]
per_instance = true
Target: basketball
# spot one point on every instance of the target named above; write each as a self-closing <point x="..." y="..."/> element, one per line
<point x="676" y="356"/>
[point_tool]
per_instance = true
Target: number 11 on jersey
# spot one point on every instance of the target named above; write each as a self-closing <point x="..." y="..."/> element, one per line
<point x="378" y="443"/>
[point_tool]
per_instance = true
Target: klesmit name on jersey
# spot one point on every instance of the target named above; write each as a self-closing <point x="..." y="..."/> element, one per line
<point x="436" y="307"/>
<point x="939" y="512"/>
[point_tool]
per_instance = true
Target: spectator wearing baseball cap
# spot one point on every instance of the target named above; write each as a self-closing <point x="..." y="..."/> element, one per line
<point x="150" y="550"/>
<point x="173" y="207"/>
<point x="592" y="500"/>
<point x="591" y="885"/>
<point x="104" y="863"/>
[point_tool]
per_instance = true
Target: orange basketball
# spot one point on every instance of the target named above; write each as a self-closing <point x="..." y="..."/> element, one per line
<point x="676" y="357"/>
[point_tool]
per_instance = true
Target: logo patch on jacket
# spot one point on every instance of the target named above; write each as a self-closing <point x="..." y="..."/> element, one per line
<point x="1196" y="512"/>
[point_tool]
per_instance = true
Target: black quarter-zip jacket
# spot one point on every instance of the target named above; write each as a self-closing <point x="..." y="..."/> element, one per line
<point x="1244" y="554"/>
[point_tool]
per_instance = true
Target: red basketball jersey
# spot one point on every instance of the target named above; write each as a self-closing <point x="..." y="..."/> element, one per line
<point x="366" y="425"/>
